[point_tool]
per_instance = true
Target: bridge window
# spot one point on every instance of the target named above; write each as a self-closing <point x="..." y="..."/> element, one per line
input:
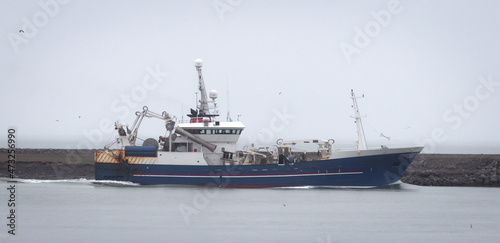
<point x="214" y="131"/>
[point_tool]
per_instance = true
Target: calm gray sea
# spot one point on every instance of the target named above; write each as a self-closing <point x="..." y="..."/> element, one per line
<point x="85" y="211"/>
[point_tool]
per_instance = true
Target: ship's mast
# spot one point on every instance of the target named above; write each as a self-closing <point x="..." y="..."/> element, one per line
<point x="198" y="63"/>
<point x="361" y="133"/>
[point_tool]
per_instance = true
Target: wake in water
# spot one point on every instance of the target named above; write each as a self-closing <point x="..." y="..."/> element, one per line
<point x="77" y="181"/>
<point x="395" y="185"/>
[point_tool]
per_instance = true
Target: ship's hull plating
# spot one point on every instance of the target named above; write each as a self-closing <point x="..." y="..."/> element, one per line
<point x="360" y="171"/>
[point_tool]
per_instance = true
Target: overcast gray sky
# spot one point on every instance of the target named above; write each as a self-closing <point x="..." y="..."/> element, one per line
<point x="428" y="69"/>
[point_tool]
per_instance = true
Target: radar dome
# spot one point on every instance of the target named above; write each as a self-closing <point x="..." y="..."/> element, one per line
<point x="213" y="94"/>
<point x="198" y="63"/>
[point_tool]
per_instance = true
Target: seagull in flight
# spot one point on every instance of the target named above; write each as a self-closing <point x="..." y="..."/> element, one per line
<point x="382" y="135"/>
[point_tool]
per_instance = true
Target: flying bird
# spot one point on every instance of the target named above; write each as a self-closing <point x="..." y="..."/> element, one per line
<point x="21" y="31"/>
<point x="382" y="135"/>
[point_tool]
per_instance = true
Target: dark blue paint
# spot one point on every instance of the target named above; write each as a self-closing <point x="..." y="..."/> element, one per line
<point x="377" y="170"/>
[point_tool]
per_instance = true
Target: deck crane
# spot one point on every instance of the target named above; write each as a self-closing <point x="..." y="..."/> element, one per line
<point x="128" y="136"/>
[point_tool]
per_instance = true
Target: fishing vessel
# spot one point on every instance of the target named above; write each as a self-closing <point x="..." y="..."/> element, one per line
<point x="202" y="151"/>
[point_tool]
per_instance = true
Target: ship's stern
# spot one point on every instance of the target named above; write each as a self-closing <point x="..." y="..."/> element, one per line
<point x="109" y="165"/>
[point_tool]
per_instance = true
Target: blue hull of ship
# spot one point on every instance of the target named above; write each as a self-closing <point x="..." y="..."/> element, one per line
<point x="363" y="171"/>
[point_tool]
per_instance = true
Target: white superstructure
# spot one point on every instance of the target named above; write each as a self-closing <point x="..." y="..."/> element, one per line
<point x="201" y="141"/>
